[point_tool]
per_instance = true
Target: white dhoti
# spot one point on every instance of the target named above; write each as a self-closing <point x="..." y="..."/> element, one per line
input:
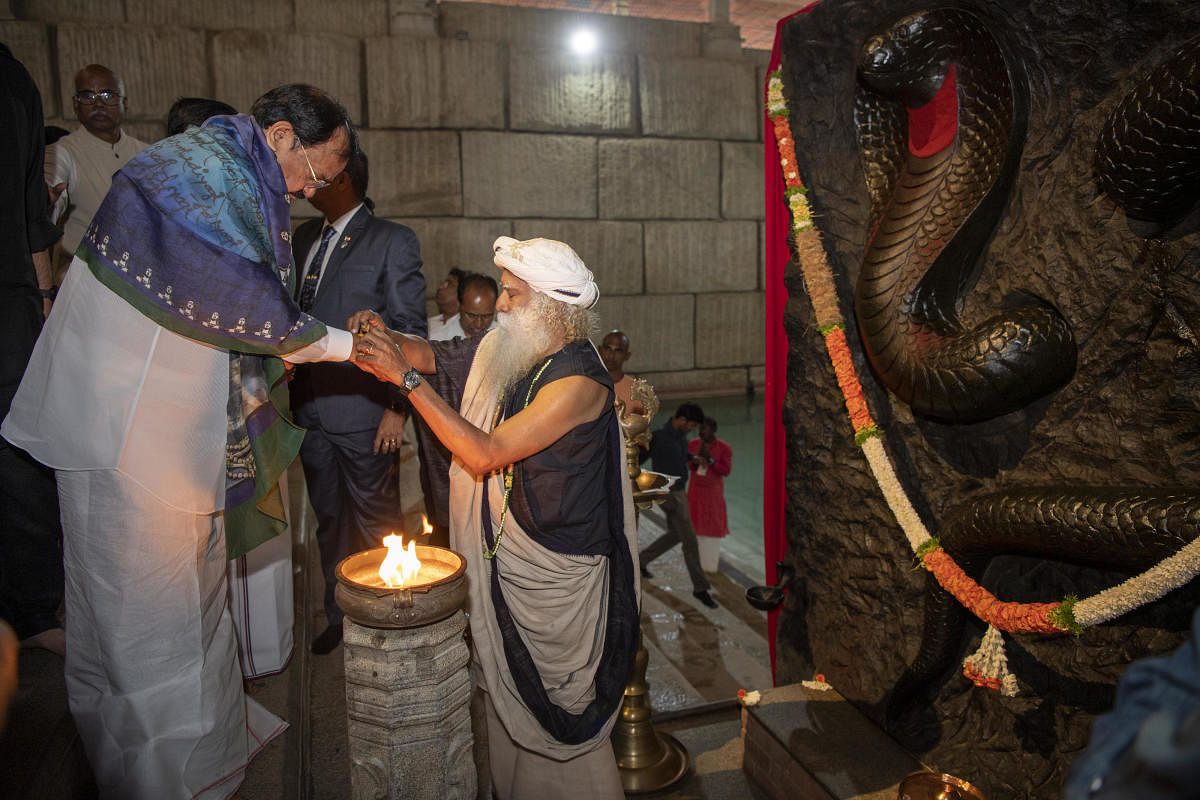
<point x="261" y="602"/>
<point x="151" y="668"/>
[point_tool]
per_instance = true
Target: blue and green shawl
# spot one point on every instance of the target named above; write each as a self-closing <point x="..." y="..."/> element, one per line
<point x="204" y="217"/>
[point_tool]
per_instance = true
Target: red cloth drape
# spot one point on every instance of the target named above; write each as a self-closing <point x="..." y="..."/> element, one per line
<point x="776" y="255"/>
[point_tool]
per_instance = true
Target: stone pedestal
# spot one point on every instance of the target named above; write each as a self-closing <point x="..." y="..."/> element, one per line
<point x="807" y="744"/>
<point x="408" y="696"/>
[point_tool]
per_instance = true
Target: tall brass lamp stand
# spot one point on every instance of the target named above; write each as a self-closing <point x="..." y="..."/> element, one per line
<point x="649" y="760"/>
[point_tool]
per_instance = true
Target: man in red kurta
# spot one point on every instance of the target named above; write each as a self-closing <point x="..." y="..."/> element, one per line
<point x="710" y="460"/>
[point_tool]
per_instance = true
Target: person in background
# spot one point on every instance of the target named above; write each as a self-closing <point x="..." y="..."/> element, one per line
<point x="477" y="312"/>
<point x="31" y="573"/>
<point x="477" y="304"/>
<point x="614" y="352"/>
<point x="710" y="461"/>
<point x="1148" y="745"/>
<point x="669" y="455"/>
<point x="352" y="259"/>
<point x="194" y="111"/>
<point x="84" y="162"/>
<point x="440" y="325"/>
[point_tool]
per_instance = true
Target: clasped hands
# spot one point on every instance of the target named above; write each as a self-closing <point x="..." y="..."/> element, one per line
<point x="374" y="351"/>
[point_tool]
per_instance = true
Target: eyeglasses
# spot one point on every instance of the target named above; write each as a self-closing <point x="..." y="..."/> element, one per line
<point x="315" y="183"/>
<point x="86" y="97"/>
<point x="479" y="317"/>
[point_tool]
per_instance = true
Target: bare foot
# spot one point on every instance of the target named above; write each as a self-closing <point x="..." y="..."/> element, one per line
<point x="54" y="640"/>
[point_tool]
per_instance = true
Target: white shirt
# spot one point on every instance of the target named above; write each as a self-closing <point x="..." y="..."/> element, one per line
<point x="86" y="164"/>
<point x="451" y="328"/>
<point x="338" y="225"/>
<point x="444" y="328"/>
<point x="434" y="326"/>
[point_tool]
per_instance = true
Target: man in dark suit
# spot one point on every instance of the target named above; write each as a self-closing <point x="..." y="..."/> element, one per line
<point x="351" y="260"/>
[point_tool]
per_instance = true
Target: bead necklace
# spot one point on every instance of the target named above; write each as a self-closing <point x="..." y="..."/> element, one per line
<point x="508" y="471"/>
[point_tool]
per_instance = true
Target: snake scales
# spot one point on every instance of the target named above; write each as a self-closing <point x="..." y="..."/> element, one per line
<point x="942" y="118"/>
<point x="941" y="114"/>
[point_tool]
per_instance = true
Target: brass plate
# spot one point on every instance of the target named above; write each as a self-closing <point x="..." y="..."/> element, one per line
<point x="938" y="786"/>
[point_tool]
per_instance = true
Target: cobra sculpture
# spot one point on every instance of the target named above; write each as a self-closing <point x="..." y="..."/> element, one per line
<point x="935" y="194"/>
<point x="942" y="119"/>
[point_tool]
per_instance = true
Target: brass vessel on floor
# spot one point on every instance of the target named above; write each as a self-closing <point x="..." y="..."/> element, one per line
<point x="927" y="785"/>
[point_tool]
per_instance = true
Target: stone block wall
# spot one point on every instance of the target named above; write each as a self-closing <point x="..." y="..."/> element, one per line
<point x="478" y="122"/>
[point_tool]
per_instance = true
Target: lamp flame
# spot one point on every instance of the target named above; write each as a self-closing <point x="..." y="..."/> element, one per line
<point x="426" y="528"/>
<point x="401" y="564"/>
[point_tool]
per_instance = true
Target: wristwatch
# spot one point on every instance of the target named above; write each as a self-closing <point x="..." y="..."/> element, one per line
<point x="412" y="379"/>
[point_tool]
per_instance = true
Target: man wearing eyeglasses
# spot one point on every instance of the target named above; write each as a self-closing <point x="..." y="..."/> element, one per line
<point x="82" y="163"/>
<point x="351" y="260"/>
<point x="156" y="393"/>
<point x="477" y="304"/>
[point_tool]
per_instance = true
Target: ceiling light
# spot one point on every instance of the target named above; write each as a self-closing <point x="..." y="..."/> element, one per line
<point x="583" y="41"/>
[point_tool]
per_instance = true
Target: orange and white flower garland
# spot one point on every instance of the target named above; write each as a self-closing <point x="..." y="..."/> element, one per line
<point x="988" y="666"/>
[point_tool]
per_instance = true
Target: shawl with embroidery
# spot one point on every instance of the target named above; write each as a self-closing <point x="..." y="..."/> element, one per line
<point x="195" y="234"/>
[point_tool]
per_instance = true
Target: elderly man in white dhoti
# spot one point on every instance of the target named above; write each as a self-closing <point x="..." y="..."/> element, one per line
<point x="540" y="507"/>
<point x="156" y="393"/>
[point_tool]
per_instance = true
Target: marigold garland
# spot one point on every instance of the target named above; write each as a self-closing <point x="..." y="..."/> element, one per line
<point x="847" y="378"/>
<point x="988" y="667"/>
<point x="1025" y="617"/>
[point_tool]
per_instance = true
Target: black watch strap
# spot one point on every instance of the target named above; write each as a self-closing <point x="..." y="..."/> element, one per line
<point x="412" y="379"/>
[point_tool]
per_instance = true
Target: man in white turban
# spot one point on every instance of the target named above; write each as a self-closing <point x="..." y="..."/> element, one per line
<point x="540" y="507"/>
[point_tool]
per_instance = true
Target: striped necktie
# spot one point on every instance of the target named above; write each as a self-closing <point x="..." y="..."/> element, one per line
<point x="308" y="289"/>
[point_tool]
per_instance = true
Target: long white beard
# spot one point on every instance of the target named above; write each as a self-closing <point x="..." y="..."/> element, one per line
<point x="521" y="338"/>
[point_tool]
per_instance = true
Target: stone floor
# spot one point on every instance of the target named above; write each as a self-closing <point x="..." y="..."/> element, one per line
<point x="699" y="658"/>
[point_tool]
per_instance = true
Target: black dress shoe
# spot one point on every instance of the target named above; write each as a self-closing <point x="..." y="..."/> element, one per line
<point x="646" y="573"/>
<point x="330" y="638"/>
<point x="706" y="598"/>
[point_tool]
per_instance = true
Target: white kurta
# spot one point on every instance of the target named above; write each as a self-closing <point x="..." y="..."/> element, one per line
<point x="86" y="164"/>
<point x="132" y="416"/>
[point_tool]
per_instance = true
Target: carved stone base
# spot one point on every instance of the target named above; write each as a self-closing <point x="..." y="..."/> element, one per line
<point x="408" y="697"/>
